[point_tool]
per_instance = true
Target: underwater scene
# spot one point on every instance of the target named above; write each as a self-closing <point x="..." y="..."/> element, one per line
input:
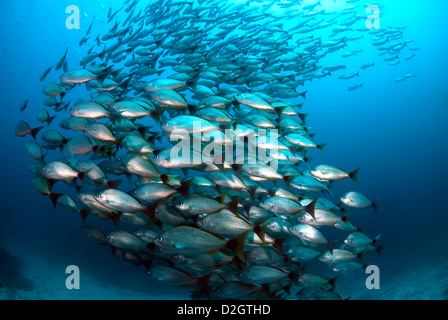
<point x="224" y="150"/>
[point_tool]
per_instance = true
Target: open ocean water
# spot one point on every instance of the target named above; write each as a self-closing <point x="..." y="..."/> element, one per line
<point x="394" y="131"/>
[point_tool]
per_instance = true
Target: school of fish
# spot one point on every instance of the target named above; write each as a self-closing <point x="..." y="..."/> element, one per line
<point x="206" y="77"/>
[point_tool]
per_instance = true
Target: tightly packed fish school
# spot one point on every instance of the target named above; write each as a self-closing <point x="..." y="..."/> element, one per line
<point x="191" y="140"/>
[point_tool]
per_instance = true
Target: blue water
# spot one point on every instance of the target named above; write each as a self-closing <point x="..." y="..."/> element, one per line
<point x="396" y="133"/>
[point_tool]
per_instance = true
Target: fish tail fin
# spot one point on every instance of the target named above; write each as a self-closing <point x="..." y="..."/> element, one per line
<point x="84" y="213"/>
<point x="157" y="115"/>
<point x="192" y="82"/>
<point x="113" y="184"/>
<point x="236" y="104"/>
<point x="321" y="146"/>
<point x="294" y="276"/>
<point x="310" y="207"/>
<point x="260" y="230"/>
<point x="54" y="198"/>
<point x="63" y="94"/>
<point x="345" y="217"/>
<point x="279" y="110"/>
<point x="184" y="188"/>
<point x="307" y="160"/>
<point x="287" y="180"/>
<point x="237" y="168"/>
<point x="118" y="142"/>
<point x="353" y="175"/>
<point x="375" y="206"/>
<point x="303" y="94"/>
<point x="203" y="283"/>
<point x="35" y="131"/>
<point x="287" y="260"/>
<point x="379" y="249"/>
<point x="266" y="290"/>
<point x="115" y="217"/>
<point x="303" y="117"/>
<point x="228" y="125"/>
<point x="332" y="282"/>
<point x="247" y="208"/>
<point x="82" y="176"/>
<point x="328" y="189"/>
<point x="113" y="117"/>
<point x="147" y="263"/>
<point x="50" y="119"/>
<point x="330" y="246"/>
<point x="150" y="211"/>
<point x="100" y="78"/>
<point x="124" y="85"/>
<point x="252" y="191"/>
<point x="237" y="245"/>
<point x="96" y="148"/>
<point x="192" y="108"/>
<point x="233" y="205"/>
<point x="278" y="243"/>
<point x="167" y="178"/>
<point x="287" y="288"/>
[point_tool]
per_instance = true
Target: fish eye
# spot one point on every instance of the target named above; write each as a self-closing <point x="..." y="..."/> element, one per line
<point x="239" y="275"/>
<point x="159" y="239"/>
<point x="293" y="228"/>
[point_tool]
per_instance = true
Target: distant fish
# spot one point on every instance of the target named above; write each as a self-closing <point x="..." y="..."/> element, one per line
<point x="89" y="29"/>
<point x="23" y="129"/>
<point x="43" y="116"/>
<point x="45" y="74"/>
<point x="23" y="105"/>
<point x="61" y="62"/>
<point x="369" y="65"/>
<point x="327" y="172"/>
<point x="355" y="87"/>
<point x="349" y="76"/>
<point x="358" y="200"/>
